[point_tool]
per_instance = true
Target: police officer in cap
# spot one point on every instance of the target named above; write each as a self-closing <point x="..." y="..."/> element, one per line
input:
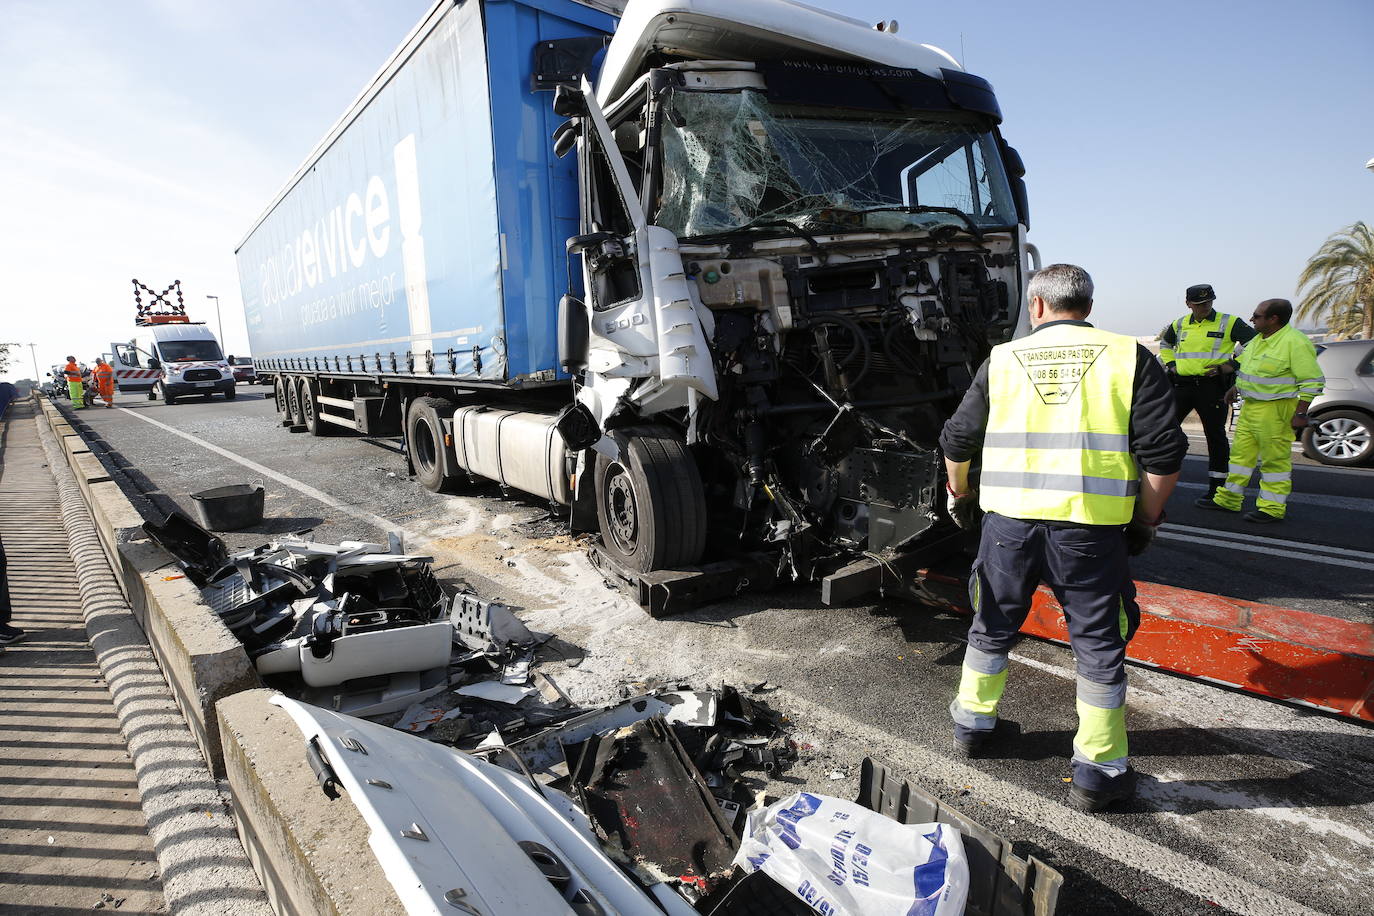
<point x="1198" y="353"/>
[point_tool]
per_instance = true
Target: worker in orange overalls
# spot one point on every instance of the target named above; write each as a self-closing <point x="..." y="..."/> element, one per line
<point x="104" y="381"/>
<point x="72" y="372"/>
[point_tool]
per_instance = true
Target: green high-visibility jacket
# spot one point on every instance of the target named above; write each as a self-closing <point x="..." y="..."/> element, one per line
<point x="1057" y="445"/>
<point x="1192" y="347"/>
<point x="1280" y="366"/>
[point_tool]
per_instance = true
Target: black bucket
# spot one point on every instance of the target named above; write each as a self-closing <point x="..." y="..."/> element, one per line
<point x="238" y="505"/>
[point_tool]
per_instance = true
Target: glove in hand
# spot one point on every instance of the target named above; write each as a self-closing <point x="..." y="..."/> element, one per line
<point x="1139" y="536"/>
<point x="964" y="509"/>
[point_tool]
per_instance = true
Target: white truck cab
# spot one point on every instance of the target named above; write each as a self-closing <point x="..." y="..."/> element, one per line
<point x="178" y="358"/>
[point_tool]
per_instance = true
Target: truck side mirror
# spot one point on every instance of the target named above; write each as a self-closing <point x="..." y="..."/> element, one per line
<point x="572" y="333"/>
<point x="154" y="363"/>
<point x="565" y="138"/>
<point x="568" y="102"/>
<point x="1016" y="172"/>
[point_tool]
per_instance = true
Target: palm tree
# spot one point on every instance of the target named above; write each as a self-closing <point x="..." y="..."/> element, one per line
<point x="1338" y="283"/>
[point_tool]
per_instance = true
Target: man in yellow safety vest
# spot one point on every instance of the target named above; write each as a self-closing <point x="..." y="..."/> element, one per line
<point x="1278" y="378"/>
<point x="1080" y="449"/>
<point x="1197" y="352"/>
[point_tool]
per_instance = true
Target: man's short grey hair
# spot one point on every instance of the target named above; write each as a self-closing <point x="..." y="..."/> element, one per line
<point x="1064" y="287"/>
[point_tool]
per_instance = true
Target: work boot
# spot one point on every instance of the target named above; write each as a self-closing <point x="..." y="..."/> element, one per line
<point x="1206" y="502"/>
<point x="1262" y="518"/>
<point x="10" y="635"/>
<point x="973" y="743"/>
<point x="1093" y="790"/>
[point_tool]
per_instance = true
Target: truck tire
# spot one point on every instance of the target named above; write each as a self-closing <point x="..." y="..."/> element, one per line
<point x="310" y="408"/>
<point x="425" y="442"/>
<point x="282" y="401"/>
<point x="230" y="394"/>
<point x="293" y="403"/>
<point x="651" y="505"/>
<point x="167" y="397"/>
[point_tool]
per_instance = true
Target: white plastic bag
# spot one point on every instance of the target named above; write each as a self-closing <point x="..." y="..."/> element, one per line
<point x="845" y="860"/>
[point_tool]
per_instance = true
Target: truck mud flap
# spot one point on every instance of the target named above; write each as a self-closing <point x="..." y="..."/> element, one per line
<point x="666" y="592"/>
<point x="1000" y="883"/>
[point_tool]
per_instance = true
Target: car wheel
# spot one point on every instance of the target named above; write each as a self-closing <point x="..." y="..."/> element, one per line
<point x="1344" y="438"/>
<point x="650" y="503"/>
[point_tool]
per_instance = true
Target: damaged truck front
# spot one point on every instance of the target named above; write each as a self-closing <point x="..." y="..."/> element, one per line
<point x="787" y="240"/>
<point x="801" y="236"/>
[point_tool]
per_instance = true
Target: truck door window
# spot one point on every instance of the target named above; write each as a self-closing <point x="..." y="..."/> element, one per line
<point x="127" y="355"/>
<point x="612" y="269"/>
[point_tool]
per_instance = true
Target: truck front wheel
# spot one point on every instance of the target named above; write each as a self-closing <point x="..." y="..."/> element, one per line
<point x="650" y="504"/>
<point x="425" y="442"/>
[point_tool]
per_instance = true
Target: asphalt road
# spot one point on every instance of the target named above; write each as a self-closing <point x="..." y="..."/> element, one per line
<point x="1245" y="805"/>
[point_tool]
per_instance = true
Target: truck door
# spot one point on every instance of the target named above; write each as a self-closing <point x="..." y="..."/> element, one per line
<point x="644" y="323"/>
<point x="131" y="367"/>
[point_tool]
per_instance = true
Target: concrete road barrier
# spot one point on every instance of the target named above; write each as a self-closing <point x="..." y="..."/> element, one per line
<point x="202" y="661"/>
<point x="310" y="853"/>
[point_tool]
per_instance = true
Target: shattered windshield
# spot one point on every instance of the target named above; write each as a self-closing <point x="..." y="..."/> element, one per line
<point x="731" y="159"/>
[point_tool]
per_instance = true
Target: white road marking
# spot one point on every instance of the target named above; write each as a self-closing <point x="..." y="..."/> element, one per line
<point x="1098" y="834"/>
<point x="1246" y="537"/>
<point x="1259" y="546"/>
<point x="1321" y="500"/>
<point x="412" y="537"/>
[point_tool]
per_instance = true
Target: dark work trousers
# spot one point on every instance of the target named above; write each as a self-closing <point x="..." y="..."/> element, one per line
<point x="1085" y="567"/>
<point x="1204" y="394"/>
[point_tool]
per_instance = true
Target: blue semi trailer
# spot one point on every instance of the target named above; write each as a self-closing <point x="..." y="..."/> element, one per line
<point x="710" y="272"/>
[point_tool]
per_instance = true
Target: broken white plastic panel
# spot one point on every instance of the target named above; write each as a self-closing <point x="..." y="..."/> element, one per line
<point x="402" y="649"/>
<point x="447" y="829"/>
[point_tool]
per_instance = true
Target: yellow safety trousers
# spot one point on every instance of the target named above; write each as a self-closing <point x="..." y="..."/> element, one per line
<point x="78" y="394"/>
<point x="1101" y="735"/>
<point x="1264" y="436"/>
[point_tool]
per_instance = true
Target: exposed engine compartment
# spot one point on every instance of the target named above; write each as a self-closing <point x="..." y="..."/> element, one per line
<point x="837" y="370"/>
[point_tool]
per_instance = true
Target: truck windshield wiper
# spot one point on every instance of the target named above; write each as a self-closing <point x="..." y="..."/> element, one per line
<point x="759" y="226"/>
<point x="973" y="227"/>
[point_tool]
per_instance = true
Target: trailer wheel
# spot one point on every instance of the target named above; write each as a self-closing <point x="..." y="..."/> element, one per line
<point x="425" y="442"/>
<point x="293" y="403"/>
<point x="279" y="396"/>
<point x="651" y="504"/>
<point x="310" y="408"/>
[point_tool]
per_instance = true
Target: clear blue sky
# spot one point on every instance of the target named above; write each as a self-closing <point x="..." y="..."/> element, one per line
<point x="1166" y="144"/>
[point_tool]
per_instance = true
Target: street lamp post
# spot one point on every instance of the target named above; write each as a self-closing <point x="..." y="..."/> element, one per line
<point x="218" y="320"/>
<point x="33" y="351"/>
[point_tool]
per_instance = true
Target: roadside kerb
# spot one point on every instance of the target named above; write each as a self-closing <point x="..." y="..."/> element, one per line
<point x="202" y="661"/>
<point x="304" y="846"/>
<point x="202" y="865"/>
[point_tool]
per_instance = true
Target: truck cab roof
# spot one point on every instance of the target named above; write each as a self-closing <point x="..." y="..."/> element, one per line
<point x="751" y="30"/>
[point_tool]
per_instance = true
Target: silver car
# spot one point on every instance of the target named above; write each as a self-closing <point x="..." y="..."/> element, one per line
<point x="1342" y="430"/>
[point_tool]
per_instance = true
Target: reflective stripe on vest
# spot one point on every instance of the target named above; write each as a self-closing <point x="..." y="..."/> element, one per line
<point x="72" y="373"/>
<point x="1268" y="367"/>
<point x="1057" y="445"/>
<point x="1195" y="351"/>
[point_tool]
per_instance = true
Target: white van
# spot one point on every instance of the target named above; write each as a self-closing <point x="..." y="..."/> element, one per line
<point x="180" y="359"/>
